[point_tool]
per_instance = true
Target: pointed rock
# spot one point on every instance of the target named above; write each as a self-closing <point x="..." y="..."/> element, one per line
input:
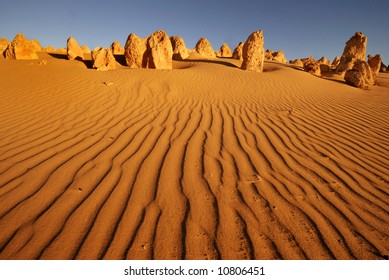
<point x="297" y="62"/>
<point x="253" y="52"/>
<point x="374" y="63"/>
<point x="335" y="62"/>
<point x="354" y="50"/>
<point x="180" y="52"/>
<point x="225" y="51"/>
<point x="238" y="51"/>
<point x="117" y="48"/>
<point x="22" y="49"/>
<point x="204" y="48"/>
<point x="73" y="50"/>
<point x="134" y="52"/>
<point x="103" y="59"/>
<point x="159" y="51"/>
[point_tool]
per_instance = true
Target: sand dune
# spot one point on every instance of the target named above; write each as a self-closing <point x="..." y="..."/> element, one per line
<point x="204" y="161"/>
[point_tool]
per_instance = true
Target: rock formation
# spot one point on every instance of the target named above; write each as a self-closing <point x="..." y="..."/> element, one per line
<point x="355" y="50"/>
<point x="225" y="51"/>
<point x="280" y="56"/>
<point x="275" y="56"/>
<point x="159" y="51"/>
<point x="73" y="50"/>
<point x="103" y="59"/>
<point x="4" y="43"/>
<point x="374" y="63"/>
<point x="85" y="49"/>
<point x="180" y="52"/>
<point x="269" y="55"/>
<point x="297" y="62"/>
<point x="134" y="52"/>
<point x="61" y="50"/>
<point x="335" y="62"/>
<point x="312" y="66"/>
<point x="238" y="51"/>
<point x="253" y="52"/>
<point x="116" y="48"/>
<point x="204" y="48"/>
<point x="49" y="49"/>
<point x="324" y="68"/>
<point x="360" y="75"/>
<point x="22" y="49"/>
<point x="324" y="60"/>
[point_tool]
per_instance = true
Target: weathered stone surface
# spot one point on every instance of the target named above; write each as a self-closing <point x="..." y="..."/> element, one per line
<point x="324" y="68"/>
<point x="4" y="43"/>
<point x="324" y="60"/>
<point x="374" y="63"/>
<point x="335" y="62"/>
<point x="117" y="48"/>
<point x="269" y="55"/>
<point x="85" y="49"/>
<point x="103" y="59"/>
<point x="22" y="49"/>
<point x="218" y="53"/>
<point x="354" y="50"/>
<point x="73" y="50"/>
<point x="225" y="51"/>
<point x="253" y="52"/>
<point x="134" y="52"/>
<point x="312" y="66"/>
<point x="275" y="56"/>
<point x="280" y="56"/>
<point x="360" y="75"/>
<point x="159" y="51"/>
<point x="49" y="49"/>
<point x="204" y="48"/>
<point x="296" y="62"/>
<point x="180" y="52"/>
<point x="238" y="51"/>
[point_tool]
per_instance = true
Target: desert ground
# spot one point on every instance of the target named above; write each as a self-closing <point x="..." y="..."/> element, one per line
<point x="204" y="161"/>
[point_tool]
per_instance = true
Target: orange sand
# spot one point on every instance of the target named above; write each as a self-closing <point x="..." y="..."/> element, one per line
<point x="204" y="161"/>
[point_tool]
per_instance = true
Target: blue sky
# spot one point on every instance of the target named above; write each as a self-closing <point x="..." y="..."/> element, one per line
<point x="300" y="28"/>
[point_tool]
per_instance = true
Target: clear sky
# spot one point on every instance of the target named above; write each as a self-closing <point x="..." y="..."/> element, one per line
<point x="300" y="28"/>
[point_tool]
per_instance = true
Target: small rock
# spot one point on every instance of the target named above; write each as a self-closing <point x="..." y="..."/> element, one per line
<point x="73" y="50"/>
<point x="103" y="59"/>
<point x="204" y="48"/>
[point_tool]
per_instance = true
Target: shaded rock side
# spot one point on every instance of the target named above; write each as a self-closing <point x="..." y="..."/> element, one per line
<point x="4" y="43"/>
<point x="374" y="63"/>
<point x="116" y="48"/>
<point x="103" y="59"/>
<point x="225" y="51"/>
<point x="360" y="75"/>
<point x="354" y="50"/>
<point x="204" y="48"/>
<point x="73" y="50"/>
<point x="180" y="51"/>
<point x="253" y="52"/>
<point x="134" y="52"/>
<point x="238" y="51"/>
<point x="159" y="51"/>
<point x="22" y="49"/>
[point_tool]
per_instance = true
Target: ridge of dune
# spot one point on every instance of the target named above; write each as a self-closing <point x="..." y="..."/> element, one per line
<point x="204" y="161"/>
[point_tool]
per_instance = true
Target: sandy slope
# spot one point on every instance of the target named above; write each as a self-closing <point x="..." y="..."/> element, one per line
<point x="201" y="162"/>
